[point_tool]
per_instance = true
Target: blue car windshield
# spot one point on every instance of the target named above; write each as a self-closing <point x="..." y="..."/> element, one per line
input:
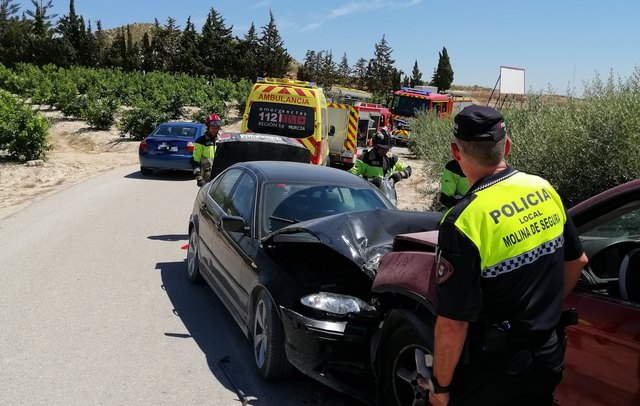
<point x="289" y="203"/>
<point x="175" y="131"/>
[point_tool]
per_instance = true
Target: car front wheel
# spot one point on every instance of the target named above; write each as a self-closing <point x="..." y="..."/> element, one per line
<point x="268" y="340"/>
<point x="193" y="258"/>
<point x="399" y="373"/>
<point x="146" y="171"/>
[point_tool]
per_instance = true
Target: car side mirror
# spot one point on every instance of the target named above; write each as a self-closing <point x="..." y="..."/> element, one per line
<point x="235" y="224"/>
<point x="332" y="130"/>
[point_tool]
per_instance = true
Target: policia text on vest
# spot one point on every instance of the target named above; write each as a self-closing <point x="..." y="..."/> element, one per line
<point x="528" y="212"/>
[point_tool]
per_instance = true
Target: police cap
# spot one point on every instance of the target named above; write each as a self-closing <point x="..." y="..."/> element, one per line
<point x="479" y="123"/>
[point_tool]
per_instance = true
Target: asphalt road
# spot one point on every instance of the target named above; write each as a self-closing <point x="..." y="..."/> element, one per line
<point x="95" y="308"/>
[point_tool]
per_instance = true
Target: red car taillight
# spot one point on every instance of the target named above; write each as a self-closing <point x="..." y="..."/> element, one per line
<point x="143" y="145"/>
<point x="190" y="146"/>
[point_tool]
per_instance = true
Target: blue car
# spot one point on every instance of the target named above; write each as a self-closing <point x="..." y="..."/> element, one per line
<point x="169" y="146"/>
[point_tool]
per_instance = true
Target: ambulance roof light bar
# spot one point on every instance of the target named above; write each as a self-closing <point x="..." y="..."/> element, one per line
<point x="286" y="81"/>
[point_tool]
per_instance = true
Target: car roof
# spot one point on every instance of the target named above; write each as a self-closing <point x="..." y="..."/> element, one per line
<point x="182" y="123"/>
<point x="295" y="171"/>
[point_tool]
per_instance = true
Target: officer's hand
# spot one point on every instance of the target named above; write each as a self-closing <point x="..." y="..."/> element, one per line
<point x="396" y="177"/>
<point x="376" y="181"/>
<point x="438" y="399"/>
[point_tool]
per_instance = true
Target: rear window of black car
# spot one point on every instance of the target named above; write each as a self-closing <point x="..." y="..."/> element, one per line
<point x="175" y="131"/>
<point x="281" y="119"/>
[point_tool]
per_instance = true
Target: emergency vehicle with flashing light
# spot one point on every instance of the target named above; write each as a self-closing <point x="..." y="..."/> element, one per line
<point x="291" y="108"/>
<point x="407" y="102"/>
<point x="352" y="129"/>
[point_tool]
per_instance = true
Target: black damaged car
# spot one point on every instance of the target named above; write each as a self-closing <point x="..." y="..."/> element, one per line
<point x="291" y="250"/>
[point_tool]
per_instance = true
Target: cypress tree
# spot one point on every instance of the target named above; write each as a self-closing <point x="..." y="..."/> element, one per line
<point x="443" y="75"/>
<point x="416" y="76"/>
<point x="273" y="57"/>
<point x="216" y="46"/>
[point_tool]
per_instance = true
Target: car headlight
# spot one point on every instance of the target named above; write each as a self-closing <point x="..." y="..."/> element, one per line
<point x="336" y="303"/>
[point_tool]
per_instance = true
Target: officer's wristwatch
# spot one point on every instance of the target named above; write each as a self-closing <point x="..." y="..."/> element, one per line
<point x="435" y="387"/>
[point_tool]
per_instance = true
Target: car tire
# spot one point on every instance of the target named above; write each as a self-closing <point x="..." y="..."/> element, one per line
<point x="268" y="340"/>
<point x="193" y="258"/>
<point x="146" y="171"/>
<point x="398" y="374"/>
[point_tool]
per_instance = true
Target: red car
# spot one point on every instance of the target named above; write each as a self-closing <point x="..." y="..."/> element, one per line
<point x="602" y="362"/>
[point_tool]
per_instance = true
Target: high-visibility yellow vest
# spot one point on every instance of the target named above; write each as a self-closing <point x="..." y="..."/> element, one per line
<point x="513" y="222"/>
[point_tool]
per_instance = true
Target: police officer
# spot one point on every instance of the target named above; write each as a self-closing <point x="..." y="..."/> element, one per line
<point x="204" y="150"/>
<point x="376" y="164"/>
<point x="509" y="254"/>
<point x="453" y="184"/>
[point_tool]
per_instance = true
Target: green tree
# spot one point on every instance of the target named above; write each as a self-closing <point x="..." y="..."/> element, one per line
<point x="443" y="75"/>
<point x="117" y="53"/>
<point x="416" y="76"/>
<point x="396" y="79"/>
<point x="248" y="55"/>
<point x="343" y="74"/>
<point x="359" y="72"/>
<point x="71" y="35"/>
<point x="189" y="57"/>
<point x="381" y="68"/>
<point x="146" y="54"/>
<point x="273" y="56"/>
<point x="14" y="39"/>
<point x="216" y="46"/>
<point x="132" y="60"/>
<point x="41" y="48"/>
<point x="328" y="70"/>
<point x="99" y="48"/>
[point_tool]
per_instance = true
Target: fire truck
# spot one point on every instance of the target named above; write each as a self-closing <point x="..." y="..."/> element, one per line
<point x="407" y="102"/>
<point x="352" y="128"/>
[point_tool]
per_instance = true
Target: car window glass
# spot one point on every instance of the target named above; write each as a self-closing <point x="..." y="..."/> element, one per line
<point x="612" y="243"/>
<point x="221" y="189"/>
<point x="175" y="131"/>
<point x="285" y="204"/>
<point x="243" y="198"/>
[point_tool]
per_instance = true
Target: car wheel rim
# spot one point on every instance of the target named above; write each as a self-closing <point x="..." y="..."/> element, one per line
<point x="192" y="254"/>
<point x="405" y="375"/>
<point x="260" y="334"/>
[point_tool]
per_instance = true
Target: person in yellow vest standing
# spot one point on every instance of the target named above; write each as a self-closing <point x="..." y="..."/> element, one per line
<point x="453" y="184"/>
<point x="508" y="255"/>
<point x="204" y="150"/>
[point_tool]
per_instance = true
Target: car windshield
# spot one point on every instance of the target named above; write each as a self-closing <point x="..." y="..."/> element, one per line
<point x="175" y="131"/>
<point x="409" y="106"/>
<point x="289" y="203"/>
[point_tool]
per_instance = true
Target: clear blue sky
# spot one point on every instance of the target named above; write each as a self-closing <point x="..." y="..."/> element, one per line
<point x="558" y="42"/>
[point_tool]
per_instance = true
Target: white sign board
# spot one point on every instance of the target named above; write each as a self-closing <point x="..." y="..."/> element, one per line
<point x="511" y="80"/>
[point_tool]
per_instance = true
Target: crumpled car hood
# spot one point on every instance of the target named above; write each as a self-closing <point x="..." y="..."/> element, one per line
<point x="362" y="237"/>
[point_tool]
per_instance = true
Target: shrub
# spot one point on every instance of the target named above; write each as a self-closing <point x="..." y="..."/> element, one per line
<point x="100" y="112"/>
<point x="139" y="121"/>
<point x="582" y="146"/>
<point x="23" y="133"/>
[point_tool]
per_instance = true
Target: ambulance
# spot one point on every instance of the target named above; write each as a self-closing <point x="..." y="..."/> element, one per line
<point x="352" y="128"/>
<point x="343" y="124"/>
<point x="291" y="108"/>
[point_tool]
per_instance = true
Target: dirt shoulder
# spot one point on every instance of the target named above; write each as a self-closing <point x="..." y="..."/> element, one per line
<point x="80" y="152"/>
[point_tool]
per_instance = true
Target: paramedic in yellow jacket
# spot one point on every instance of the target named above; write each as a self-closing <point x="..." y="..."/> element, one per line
<point x="376" y="164"/>
<point x="204" y="150"/>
